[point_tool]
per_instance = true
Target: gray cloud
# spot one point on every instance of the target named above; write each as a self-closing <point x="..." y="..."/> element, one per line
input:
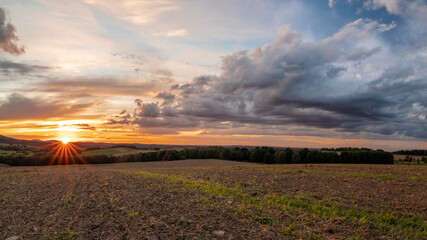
<point x="7" y="67"/>
<point x="150" y="110"/>
<point x="17" y="106"/>
<point x="334" y="71"/>
<point x="97" y="86"/>
<point x="292" y="83"/>
<point x="361" y="53"/>
<point x="167" y="97"/>
<point x="8" y="36"/>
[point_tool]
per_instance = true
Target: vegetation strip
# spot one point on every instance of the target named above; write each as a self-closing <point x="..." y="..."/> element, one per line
<point x="215" y="189"/>
<point x="310" y="171"/>
<point x="353" y="174"/>
<point x="321" y="208"/>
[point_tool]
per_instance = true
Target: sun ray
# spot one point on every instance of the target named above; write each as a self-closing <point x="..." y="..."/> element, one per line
<point x="72" y="148"/>
<point x="70" y="154"/>
<point x="55" y="155"/>
<point x="61" y="156"/>
<point x="62" y="153"/>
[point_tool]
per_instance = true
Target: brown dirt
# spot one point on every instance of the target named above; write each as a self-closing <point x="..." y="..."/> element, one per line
<point x="401" y="194"/>
<point x="106" y="202"/>
<point x="174" y="164"/>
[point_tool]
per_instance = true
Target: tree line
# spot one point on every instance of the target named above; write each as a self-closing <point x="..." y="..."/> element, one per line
<point x="418" y="152"/>
<point x="341" y="149"/>
<point x="267" y="155"/>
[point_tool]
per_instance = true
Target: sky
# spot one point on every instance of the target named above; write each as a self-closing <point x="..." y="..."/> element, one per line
<point x="283" y="73"/>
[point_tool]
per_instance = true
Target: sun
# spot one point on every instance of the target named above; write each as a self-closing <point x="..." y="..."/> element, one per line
<point x="64" y="152"/>
<point x="65" y="140"/>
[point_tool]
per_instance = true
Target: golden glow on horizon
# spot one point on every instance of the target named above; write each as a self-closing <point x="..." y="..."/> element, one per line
<point x="65" y="140"/>
<point x="97" y="131"/>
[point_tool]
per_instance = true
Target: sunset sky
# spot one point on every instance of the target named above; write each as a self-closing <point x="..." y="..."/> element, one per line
<point x="224" y="72"/>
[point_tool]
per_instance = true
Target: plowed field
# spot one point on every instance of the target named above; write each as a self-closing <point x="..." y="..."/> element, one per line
<point x="213" y="199"/>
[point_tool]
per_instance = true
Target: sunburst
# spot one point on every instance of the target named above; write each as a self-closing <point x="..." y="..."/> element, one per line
<point x="64" y="152"/>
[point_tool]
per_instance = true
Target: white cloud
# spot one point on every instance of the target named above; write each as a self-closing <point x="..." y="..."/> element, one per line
<point x="386" y="27"/>
<point x="136" y="11"/>
<point x="392" y="6"/>
<point x="174" y="33"/>
<point x="409" y="8"/>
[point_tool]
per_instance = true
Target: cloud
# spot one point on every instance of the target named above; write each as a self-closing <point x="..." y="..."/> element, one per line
<point x="99" y="86"/>
<point x="331" y="3"/>
<point x="334" y="71"/>
<point x="22" y="68"/>
<point x="167" y="97"/>
<point x="18" y="106"/>
<point x="136" y="11"/>
<point x="409" y="8"/>
<point x="8" y="36"/>
<point x="84" y="126"/>
<point x="386" y="27"/>
<point x="150" y="110"/>
<point x="292" y="83"/>
<point x="175" y="33"/>
<point x="361" y="53"/>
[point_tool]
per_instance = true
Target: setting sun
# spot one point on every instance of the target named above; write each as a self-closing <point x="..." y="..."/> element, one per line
<point x="65" y="140"/>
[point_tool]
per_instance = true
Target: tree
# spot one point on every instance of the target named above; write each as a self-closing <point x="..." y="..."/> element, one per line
<point x="288" y="155"/>
<point x="296" y="158"/>
<point x="268" y="158"/>
<point x="257" y="155"/>
<point x="303" y="154"/>
<point x="279" y="156"/>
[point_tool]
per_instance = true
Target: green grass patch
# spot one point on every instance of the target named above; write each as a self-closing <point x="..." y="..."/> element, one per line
<point x="114" y="151"/>
<point x="106" y="151"/>
<point x="7" y="152"/>
<point x="350" y="174"/>
<point x="326" y="209"/>
<point x="65" y="234"/>
<point x="15" y="153"/>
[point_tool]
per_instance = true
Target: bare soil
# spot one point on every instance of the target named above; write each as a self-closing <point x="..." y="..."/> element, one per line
<point x="209" y="199"/>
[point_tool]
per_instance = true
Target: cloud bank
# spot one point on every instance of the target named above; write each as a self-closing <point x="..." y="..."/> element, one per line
<point x="347" y="83"/>
<point x="17" y="106"/>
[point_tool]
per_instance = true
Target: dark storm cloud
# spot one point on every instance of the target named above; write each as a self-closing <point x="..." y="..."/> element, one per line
<point x="334" y="71"/>
<point x="294" y="83"/>
<point x="167" y="97"/>
<point x="17" y="106"/>
<point x="150" y="110"/>
<point x="8" y="36"/>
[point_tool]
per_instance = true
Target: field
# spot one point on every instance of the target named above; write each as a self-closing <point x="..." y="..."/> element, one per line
<point x="401" y="157"/>
<point x="15" y="153"/>
<point x="213" y="199"/>
<point x="23" y="152"/>
<point x="113" y="151"/>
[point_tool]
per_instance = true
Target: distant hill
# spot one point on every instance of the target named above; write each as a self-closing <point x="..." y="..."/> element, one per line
<point x="85" y="145"/>
<point x="35" y="142"/>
